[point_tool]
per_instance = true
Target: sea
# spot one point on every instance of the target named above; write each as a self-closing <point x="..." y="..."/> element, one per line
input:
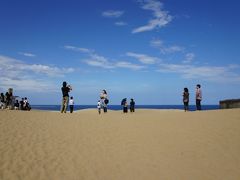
<point x="118" y="107"/>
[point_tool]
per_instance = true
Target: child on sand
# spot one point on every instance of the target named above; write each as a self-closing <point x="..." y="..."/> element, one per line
<point x="71" y="104"/>
<point x="99" y="107"/>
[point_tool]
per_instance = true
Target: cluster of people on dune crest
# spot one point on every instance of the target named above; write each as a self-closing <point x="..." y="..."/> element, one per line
<point x="103" y="101"/>
<point x="198" y="98"/>
<point x="9" y="101"/>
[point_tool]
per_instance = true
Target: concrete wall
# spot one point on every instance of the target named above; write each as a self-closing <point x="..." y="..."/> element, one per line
<point x="229" y="103"/>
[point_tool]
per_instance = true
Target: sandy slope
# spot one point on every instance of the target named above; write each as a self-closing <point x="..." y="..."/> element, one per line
<point x="150" y="144"/>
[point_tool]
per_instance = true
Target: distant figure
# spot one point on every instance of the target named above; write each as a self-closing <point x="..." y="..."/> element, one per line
<point x="26" y="105"/>
<point x="16" y="105"/>
<point x="99" y="107"/>
<point x="124" y="105"/>
<point x="8" y="96"/>
<point x="2" y="102"/>
<point x="21" y="104"/>
<point x="186" y="99"/>
<point x="132" y="106"/>
<point x="105" y="103"/>
<point x="71" y="104"/>
<point x="104" y="100"/>
<point x="198" y="97"/>
<point x="65" y="90"/>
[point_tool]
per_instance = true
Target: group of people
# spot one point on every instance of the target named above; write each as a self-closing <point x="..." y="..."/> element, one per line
<point x="198" y="98"/>
<point x="9" y="101"/>
<point x="103" y="101"/>
<point x="124" y="104"/>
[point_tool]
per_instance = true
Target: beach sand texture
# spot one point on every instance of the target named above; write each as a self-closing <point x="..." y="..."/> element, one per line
<point x="146" y="145"/>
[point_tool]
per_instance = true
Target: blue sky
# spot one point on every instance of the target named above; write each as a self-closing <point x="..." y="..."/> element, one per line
<point x="148" y="50"/>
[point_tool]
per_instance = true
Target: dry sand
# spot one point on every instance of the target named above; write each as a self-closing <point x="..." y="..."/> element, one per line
<point x="146" y="145"/>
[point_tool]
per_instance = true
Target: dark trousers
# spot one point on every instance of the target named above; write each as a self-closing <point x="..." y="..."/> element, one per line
<point x="125" y="109"/>
<point x="104" y="109"/>
<point x="186" y="106"/>
<point x="71" y="108"/>
<point x="198" y="104"/>
<point x="132" y="109"/>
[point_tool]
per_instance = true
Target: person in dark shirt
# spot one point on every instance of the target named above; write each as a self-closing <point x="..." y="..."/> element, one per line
<point x="2" y="98"/>
<point x="65" y="90"/>
<point x="16" y="105"/>
<point x="186" y="99"/>
<point x="22" y="104"/>
<point x="132" y="106"/>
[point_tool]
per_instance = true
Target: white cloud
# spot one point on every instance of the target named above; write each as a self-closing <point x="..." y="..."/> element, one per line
<point x="112" y="14"/>
<point x="102" y="62"/>
<point x="129" y="65"/>
<point x="160" y="17"/>
<point x="120" y="23"/>
<point x="159" y="44"/>
<point x="99" y="61"/>
<point x="28" y="85"/>
<point x="84" y="50"/>
<point x="189" y="58"/>
<point x="27" y="54"/>
<point x="16" y="73"/>
<point x="145" y="59"/>
<point x="207" y="73"/>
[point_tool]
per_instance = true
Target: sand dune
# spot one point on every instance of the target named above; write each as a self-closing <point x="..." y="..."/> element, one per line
<point x="146" y="145"/>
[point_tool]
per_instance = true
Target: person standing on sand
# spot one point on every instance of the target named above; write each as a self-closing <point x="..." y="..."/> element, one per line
<point x="99" y="107"/>
<point x="198" y="97"/>
<point x="186" y="99"/>
<point x="124" y="105"/>
<point x="132" y="106"/>
<point x="71" y="104"/>
<point x="65" y="90"/>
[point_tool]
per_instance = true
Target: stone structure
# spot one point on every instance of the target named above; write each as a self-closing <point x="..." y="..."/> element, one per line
<point x="229" y="103"/>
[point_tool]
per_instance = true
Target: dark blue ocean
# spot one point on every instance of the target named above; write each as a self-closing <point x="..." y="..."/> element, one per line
<point x="118" y="107"/>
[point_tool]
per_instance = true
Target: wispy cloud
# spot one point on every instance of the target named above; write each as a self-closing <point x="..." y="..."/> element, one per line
<point x="145" y="59"/>
<point x="189" y="57"/>
<point x="120" y="23"/>
<point x="160" y="17"/>
<point x="204" y="73"/>
<point x="129" y="65"/>
<point x="159" y="44"/>
<point x="16" y="73"/>
<point x="27" y="54"/>
<point x="112" y="14"/>
<point x="100" y="61"/>
<point x="84" y="50"/>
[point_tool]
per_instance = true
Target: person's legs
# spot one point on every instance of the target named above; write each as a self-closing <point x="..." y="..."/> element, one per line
<point x="66" y="104"/>
<point x="71" y="108"/>
<point x="198" y="104"/>
<point x="63" y="103"/>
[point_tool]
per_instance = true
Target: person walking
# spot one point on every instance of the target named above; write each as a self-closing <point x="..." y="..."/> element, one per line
<point x="186" y="99"/>
<point x="198" y="97"/>
<point x="65" y="90"/>
<point x="132" y="106"/>
<point x="71" y="104"/>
